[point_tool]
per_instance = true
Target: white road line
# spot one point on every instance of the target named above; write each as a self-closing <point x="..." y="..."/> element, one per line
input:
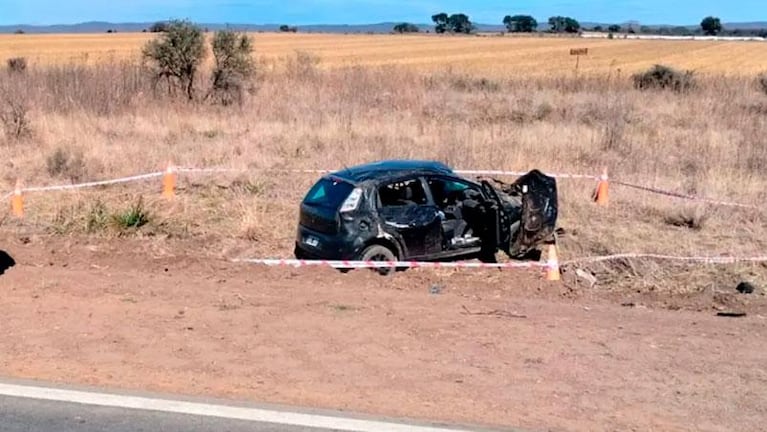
<point x="209" y="410"/>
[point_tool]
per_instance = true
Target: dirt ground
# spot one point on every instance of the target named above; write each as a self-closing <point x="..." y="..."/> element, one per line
<point x="491" y="347"/>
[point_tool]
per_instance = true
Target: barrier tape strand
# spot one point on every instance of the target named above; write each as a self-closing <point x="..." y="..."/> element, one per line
<point x="661" y="257"/>
<point x="346" y="264"/>
<point x="92" y="184"/>
<point x="191" y="170"/>
<point x="683" y="196"/>
<point x="342" y="264"/>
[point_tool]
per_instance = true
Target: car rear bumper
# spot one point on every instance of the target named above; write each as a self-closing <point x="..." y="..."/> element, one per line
<point x="313" y="245"/>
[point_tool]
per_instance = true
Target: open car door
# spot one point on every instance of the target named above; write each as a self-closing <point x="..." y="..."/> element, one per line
<point x="530" y="212"/>
<point x="499" y="220"/>
<point x="539" y="212"/>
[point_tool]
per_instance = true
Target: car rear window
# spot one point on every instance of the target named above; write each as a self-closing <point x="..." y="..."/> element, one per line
<point x="328" y="193"/>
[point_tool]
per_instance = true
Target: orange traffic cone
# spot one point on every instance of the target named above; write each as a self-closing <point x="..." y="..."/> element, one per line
<point x="17" y="201"/>
<point x="552" y="265"/>
<point x="601" y="195"/>
<point x="169" y="181"/>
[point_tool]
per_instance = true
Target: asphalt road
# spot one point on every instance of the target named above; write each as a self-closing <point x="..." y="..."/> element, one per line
<point x="46" y="408"/>
<point x="29" y="415"/>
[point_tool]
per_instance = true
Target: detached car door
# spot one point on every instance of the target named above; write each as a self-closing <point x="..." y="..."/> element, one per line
<point x="533" y="214"/>
<point x="410" y="217"/>
<point x="539" y="211"/>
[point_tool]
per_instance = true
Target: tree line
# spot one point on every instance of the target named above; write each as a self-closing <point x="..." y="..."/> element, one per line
<point x="460" y="23"/>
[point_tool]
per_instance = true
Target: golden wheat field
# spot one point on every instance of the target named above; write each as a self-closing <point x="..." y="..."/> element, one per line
<point x="490" y="55"/>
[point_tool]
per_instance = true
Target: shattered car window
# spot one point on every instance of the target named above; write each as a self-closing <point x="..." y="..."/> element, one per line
<point x="448" y="192"/>
<point x="404" y="193"/>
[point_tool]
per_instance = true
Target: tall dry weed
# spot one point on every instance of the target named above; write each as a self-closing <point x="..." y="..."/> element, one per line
<point x="305" y="115"/>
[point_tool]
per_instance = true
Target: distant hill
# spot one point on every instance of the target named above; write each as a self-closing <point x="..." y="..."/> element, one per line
<point x="756" y="25"/>
<point x="384" y="27"/>
<point x="103" y="27"/>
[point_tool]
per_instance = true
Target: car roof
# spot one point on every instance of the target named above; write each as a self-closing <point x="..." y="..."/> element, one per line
<point x="386" y="169"/>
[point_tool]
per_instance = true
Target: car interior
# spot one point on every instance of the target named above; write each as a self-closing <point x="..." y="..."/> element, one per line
<point x="457" y="202"/>
<point x="404" y="193"/>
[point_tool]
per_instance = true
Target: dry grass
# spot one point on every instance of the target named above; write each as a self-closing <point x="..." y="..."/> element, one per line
<point x="708" y="141"/>
<point x="491" y="56"/>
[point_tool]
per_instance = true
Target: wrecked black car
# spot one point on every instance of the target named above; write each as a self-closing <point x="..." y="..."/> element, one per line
<point x="409" y="210"/>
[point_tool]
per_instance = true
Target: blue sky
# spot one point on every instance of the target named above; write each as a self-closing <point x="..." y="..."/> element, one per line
<point x="371" y="11"/>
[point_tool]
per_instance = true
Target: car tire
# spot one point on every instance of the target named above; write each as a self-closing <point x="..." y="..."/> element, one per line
<point x="379" y="253"/>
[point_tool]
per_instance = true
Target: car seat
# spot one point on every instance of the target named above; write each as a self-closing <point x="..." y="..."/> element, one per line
<point x="407" y="198"/>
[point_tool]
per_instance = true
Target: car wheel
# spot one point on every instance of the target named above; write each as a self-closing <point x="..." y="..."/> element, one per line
<point x="379" y="253"/>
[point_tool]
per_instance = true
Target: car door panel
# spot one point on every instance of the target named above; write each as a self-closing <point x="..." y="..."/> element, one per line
<point x="417" y="226"/>
<point x="539" y="211"/>
<point x="532" y="214"/>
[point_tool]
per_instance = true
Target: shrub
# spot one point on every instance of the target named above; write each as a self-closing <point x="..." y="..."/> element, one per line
<point x="406" y="28"/>
<point x="66" y="163"/>
<point x="694" y="219"/>
<point x="469" y="84"/>
<point x="159" y="27"/>
<point x="176" y="55"/>
<point x="234" y="65"/>
<point x="17" y="64"/>
<point x="133" y="217"/>
<point x="97" y="218"/>
<point x="14" y="116"/>
<point x="762" y="81"/>
<point x="664" y="77"/>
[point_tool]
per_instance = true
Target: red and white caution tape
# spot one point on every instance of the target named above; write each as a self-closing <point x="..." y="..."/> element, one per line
<point x="342" y="264"/>
<point x="660" y="257"/>
<point x="684" y="196"/>
<point x="93" y="184"/>
<point x="208" y="170"/>
<point x="385" y="264"/>
<point x="324" y="171"/>
<point x="214" y="170"/>
<point x="242" y="170"/>
<point x="521" y="173"/>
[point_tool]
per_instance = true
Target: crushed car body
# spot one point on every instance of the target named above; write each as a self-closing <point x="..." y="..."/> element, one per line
<point x="412" y="210"/>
